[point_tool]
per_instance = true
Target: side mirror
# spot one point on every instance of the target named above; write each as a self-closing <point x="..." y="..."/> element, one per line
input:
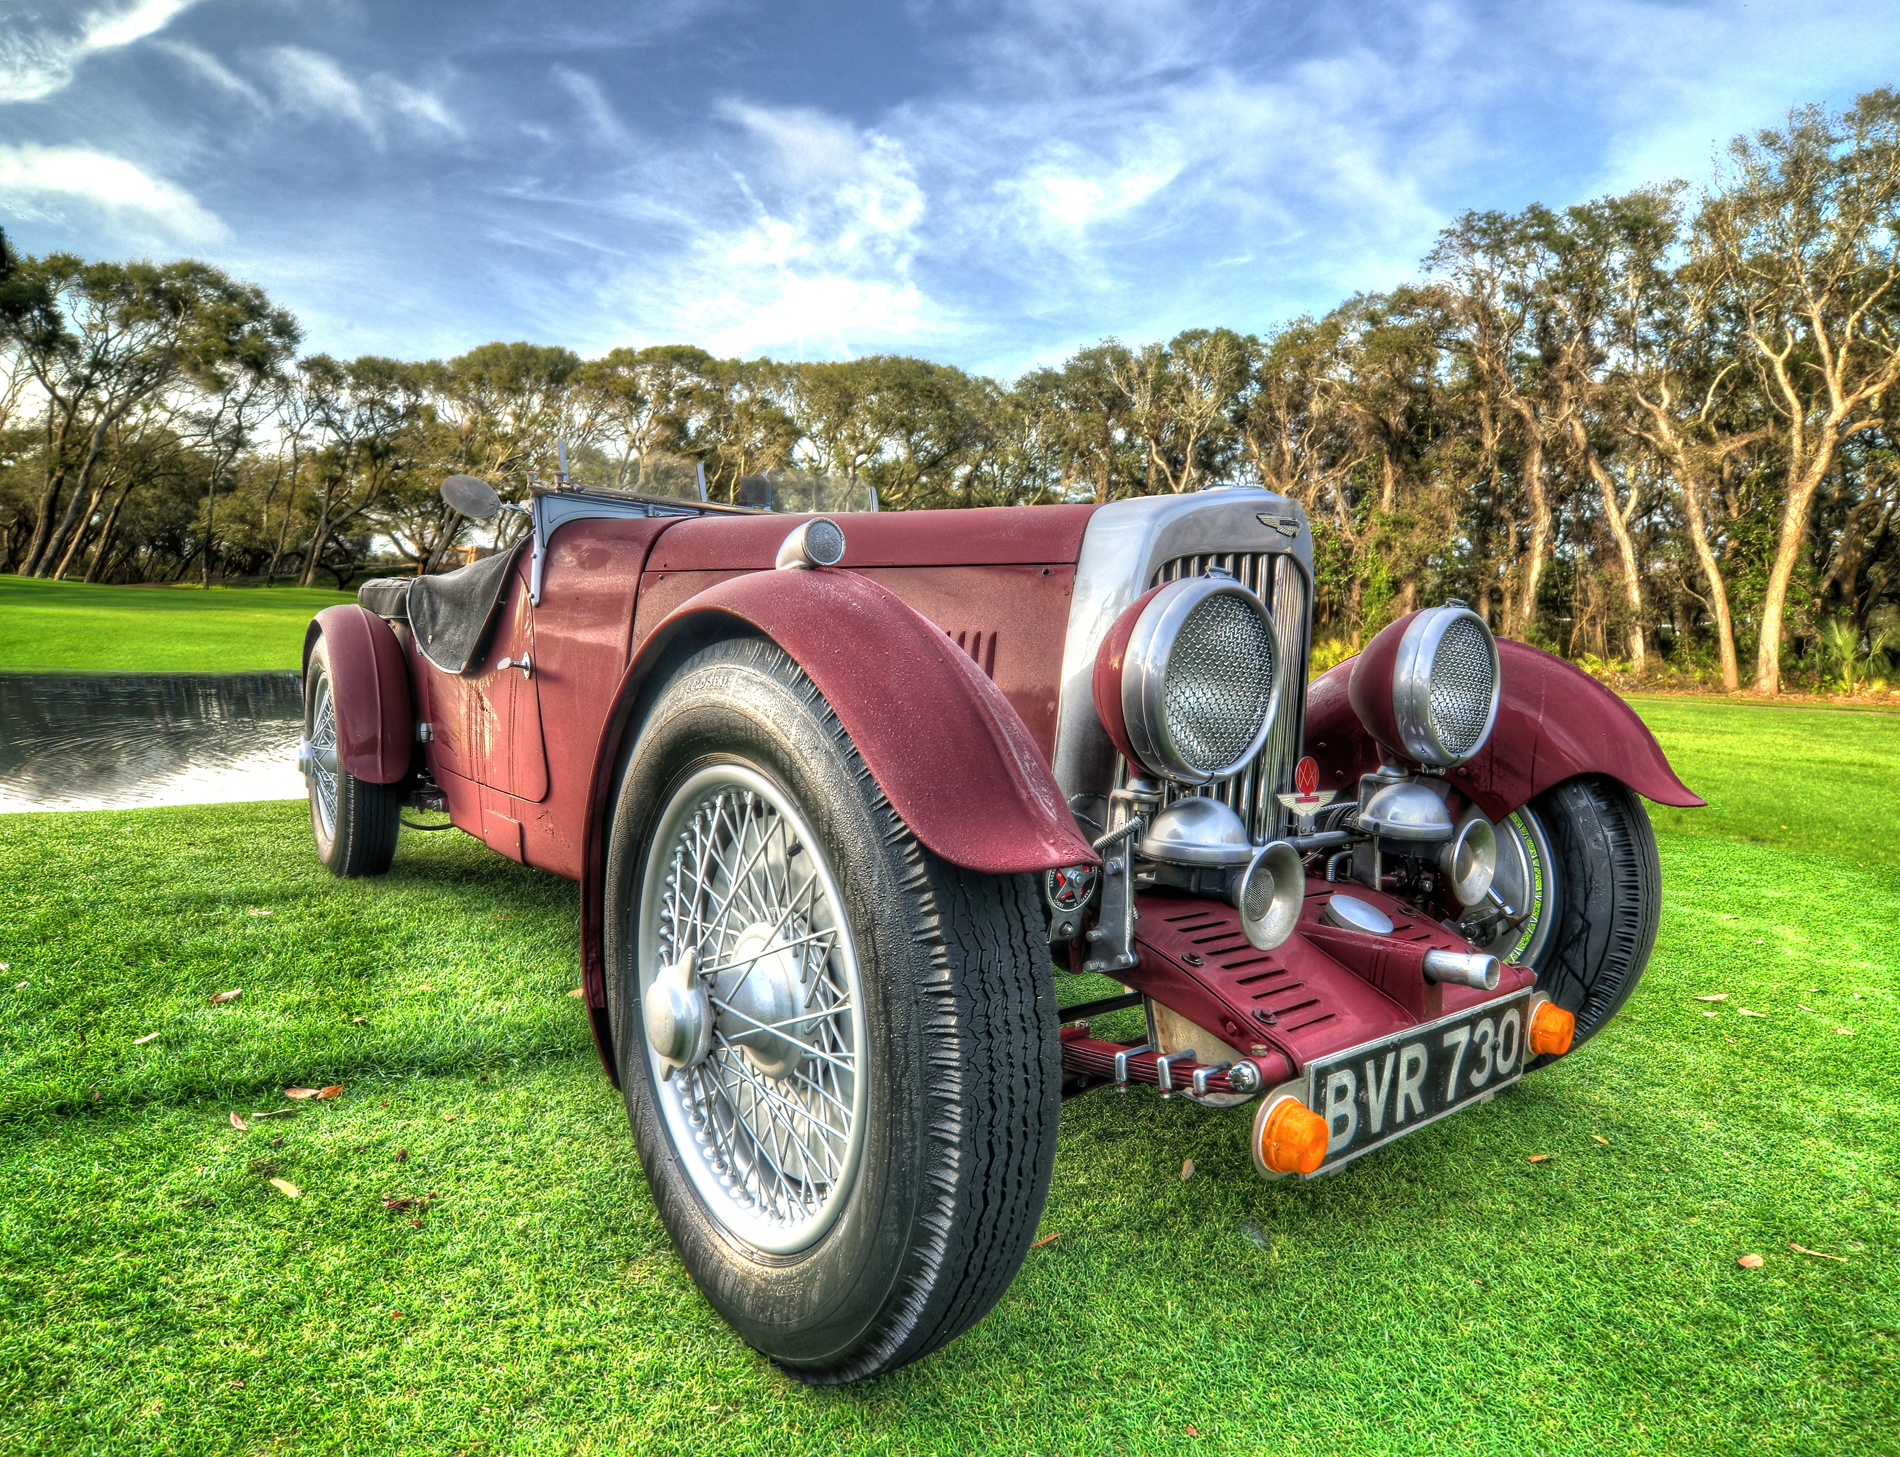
<point x="471" y="497"/>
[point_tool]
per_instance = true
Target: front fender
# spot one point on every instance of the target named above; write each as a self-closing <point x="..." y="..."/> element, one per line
<point x="1554" y="722"/>
<point x="942" y="742"/>
<point x="369" y="683"/>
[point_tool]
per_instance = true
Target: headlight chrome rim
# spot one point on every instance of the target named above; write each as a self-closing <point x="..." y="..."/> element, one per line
<point x="1423" y="737"/>
<point x="1145" y="679"/>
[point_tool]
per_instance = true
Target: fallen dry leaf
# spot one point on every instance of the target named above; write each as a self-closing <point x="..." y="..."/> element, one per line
<point x="355" y="1020"/>
<point x="578" y="992"/>
<point x="230" y="996"/>
<point x="1804" y="1250"/>
<point x="1845" y="1032"/>
<point x="257" y="911"/>
<point x="1193" y="1431"/>
<point x="1187" y="1170"/>
<point x="1537" y="1158"/>
<point x="425" y="987"/>
<point x="402" y="1204"/>
<point x="277" y="1113"/>
<point x="1746" y="1013"/>
<point x="1601" y="1139"/>
<point x="448" y="1117"/>
<point x="1711" y="1014"/>
<point x="1750" y="1262"/>
<point x="20" y="986"/>
<point x="239" y="1124"/>
<point x="1046" y="1239"/>
<point x="1714" y="997"/>
<point x="401" y="1154"/>
<point x="335" y="1090"/>
<point x="286" y="1188"/>
<point x="1804" y="1008"/>
<point x="148" y="1037"/>
<point x="300" y="1093"/>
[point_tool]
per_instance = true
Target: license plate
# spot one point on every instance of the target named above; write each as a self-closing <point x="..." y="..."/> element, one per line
<point x="1384" y="1090"/>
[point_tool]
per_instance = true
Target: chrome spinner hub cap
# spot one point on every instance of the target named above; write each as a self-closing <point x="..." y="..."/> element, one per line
<point x="750" y="998"/>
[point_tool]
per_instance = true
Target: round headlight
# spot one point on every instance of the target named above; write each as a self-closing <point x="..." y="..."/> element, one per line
<point x="1439" y="694"/>
<point x="1187" y="680"/>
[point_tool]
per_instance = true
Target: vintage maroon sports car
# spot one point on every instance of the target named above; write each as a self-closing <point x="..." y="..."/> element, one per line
<point x="838" y="791"/>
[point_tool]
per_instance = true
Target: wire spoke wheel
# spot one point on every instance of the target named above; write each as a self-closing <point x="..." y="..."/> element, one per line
<point x="1521" y="893"/>
<point x="355" y="821"/>
<point x="838" y="1051"/>
<point x="759" y="1052"/>
<point x="323" y="785"/>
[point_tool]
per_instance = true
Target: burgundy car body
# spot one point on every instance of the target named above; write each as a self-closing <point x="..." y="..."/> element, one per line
<point x="958" y="648"/>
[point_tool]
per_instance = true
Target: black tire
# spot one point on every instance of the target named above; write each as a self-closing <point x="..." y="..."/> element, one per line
<point x="960" y="1061"/>
<point x="355" y="823"/>
<point x="1605" y="885"/>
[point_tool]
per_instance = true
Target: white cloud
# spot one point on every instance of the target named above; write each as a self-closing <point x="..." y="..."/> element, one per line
<point x="806" y="249"/>
<point x="42" y="181"/>
<point x="208" y="67"/>
<point x="594" y="106"/>
<point x="312" y="85"/>
<point x="40" y="51"/>
<point x="106" y="28"/>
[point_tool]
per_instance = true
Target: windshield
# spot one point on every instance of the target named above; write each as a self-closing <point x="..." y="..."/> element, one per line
<point x="682" y="477"/>
<point x="787" y="488"/>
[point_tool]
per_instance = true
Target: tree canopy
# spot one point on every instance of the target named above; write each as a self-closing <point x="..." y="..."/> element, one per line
<point x="1649" y="429"/>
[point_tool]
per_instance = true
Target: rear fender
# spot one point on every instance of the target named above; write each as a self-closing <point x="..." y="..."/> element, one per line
<point x="1554" y="722"/>
<point x="369" y="681"/>
<point x="940" y="739"/>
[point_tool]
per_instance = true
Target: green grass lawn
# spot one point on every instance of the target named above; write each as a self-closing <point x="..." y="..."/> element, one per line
<point x="1794" y="778"/>
<point x="1444" y="1295"/>
<point x="74" y="628"/>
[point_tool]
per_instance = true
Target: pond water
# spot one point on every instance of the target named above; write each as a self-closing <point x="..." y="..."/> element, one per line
<point x="124" y="740"/>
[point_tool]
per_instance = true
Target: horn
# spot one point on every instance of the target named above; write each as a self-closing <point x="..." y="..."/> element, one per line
<point x="1469" y="859"/>
<point x="1271" y="891"/>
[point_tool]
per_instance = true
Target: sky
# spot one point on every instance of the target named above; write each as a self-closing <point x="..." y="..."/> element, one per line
<point x="992" y="185"/>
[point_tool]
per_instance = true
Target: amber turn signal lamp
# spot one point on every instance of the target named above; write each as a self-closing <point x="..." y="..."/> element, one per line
<point x="1552" y="1029"/>
<point x="1289" y="1138"/>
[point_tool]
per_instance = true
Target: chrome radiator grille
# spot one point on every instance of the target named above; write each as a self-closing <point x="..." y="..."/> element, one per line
<point x="1277" y="579"/>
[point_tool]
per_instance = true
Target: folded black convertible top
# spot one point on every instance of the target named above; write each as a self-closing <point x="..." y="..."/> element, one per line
<point x="452" y="615"/>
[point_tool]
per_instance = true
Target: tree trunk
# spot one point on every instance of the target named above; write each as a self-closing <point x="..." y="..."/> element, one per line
<point x="1625" y="549"/>
<point x="94" y="446"/>
<point x="99" y="555"/>
<point x="317" y="537"/>
<point x="50" y="496"/>
<point x="1794" y="529"/>
<point x="283" y="531"/>
<point x="75" y="547"/>
<point x="1718" y="590"/>
<point x="211" y="493"/>
<point x="1533" y="474"/>
<point x="308" y="576"/>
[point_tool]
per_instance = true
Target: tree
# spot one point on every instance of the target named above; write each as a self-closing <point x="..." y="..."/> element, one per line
<point x="1803" y="236"/>
<point x="363" y="410"/>
<point x="129" y="332"/>
<point x="239" y="354"/>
